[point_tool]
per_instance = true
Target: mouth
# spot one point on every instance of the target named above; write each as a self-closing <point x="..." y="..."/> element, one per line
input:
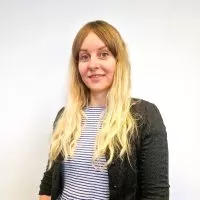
<point x="96" y="75"/>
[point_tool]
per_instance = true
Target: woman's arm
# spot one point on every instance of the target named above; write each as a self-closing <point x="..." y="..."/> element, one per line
<point x="153" y="158"/>
<point x="46" y="183"/>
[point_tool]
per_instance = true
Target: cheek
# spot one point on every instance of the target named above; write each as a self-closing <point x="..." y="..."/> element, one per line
<point x="82" y="71"/>
<point x="110" y="71"/>
<point x="110" y="74"/>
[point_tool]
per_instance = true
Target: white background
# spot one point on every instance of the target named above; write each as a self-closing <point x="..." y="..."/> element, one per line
<point x="163" y="38"/>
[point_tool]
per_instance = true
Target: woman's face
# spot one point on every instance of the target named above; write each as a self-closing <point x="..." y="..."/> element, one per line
<point x="96" y="64"/>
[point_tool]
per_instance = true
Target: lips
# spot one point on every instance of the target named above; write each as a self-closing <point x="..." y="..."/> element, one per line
<point x="96" y="75"/>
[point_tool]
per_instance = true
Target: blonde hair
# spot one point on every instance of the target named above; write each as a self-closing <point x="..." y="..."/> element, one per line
<point x="118" y="126"/>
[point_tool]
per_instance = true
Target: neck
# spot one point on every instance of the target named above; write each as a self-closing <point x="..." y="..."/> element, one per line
<point x="97" y="99"/>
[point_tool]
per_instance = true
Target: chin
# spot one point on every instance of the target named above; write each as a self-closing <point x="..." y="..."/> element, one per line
<point x="98" y="90"/>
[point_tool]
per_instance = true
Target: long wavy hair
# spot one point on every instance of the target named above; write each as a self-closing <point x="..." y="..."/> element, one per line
<point x="118" y="125"/>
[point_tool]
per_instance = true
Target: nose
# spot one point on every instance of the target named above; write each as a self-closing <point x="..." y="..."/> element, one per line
<point x="93" y="63"/>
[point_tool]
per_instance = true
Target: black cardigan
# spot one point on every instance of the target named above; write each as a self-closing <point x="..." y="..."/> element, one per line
<point x="147" y="176"/>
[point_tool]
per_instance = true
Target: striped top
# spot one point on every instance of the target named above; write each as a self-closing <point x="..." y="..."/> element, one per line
<point x="82" y="180"/>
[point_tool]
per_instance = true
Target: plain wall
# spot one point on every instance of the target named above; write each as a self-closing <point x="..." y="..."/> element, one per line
<point x="163" y="39"/>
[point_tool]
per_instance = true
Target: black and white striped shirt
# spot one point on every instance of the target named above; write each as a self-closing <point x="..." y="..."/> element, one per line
<point x="82" y="180"/>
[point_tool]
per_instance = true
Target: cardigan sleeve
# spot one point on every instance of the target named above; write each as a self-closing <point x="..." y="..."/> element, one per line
<point x="46" y="182"/>
<point x="153" y="157"/>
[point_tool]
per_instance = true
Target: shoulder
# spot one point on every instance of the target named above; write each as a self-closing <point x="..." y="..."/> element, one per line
<point x="147" y="114"/>
<point x="144" y="108"/>
<point x="142" y="105"/>
<point x="59" y="114"/>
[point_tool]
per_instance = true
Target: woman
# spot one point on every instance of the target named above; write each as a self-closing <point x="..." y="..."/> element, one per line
<point x="105" y="144"/>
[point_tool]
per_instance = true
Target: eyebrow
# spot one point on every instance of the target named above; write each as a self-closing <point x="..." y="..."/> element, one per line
<point x="100" y="48"/>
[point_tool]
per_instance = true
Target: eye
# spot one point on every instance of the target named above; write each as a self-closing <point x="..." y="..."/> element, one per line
<point x="83" y="57"/>
<point x="104" y="54"/>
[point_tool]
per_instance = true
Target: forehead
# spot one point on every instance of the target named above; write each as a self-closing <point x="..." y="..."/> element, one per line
<point x="92" y="42"/>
